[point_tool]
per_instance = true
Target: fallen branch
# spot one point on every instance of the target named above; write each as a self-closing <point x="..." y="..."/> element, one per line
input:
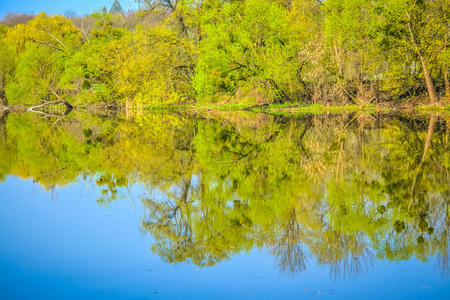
<point x="48" y="115"/>
<point x="67" y="104"/>
<point x="60" y="100"/>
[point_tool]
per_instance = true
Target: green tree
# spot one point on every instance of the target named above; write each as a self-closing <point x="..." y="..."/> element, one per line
<point x="8" y="58"/>
<point x="418" y="28"/>
<point x="44" y="46"/>
<point x="351" y="32"/>
<point x="116" y="8"/>
<point x="248" y="45"/>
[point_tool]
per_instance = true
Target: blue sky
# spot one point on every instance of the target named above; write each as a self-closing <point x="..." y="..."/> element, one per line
<point x="81" y="7"/>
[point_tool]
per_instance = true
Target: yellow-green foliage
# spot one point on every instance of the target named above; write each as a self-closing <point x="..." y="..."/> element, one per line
<point x="55" y="32"/>
<point x="248" y="44"/>
<point x="239" y="181"/>
<point x="263" y="52"/>
<point x="7" y="63"/>
<point x="43" y="46"/>
<point x="154" y="71"/>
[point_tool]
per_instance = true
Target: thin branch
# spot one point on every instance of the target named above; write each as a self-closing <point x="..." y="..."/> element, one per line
<point x="47" y="44"/>
<point x="49" y="103"/>
<point x="56" y="39"/>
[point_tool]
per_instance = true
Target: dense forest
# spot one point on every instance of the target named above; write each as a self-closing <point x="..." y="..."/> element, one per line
<point x="256" y="52"/>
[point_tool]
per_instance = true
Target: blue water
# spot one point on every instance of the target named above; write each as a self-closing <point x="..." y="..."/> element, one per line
<point x="64" y="245"/>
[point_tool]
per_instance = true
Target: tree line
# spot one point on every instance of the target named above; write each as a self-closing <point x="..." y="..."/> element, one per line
<point x="247" y="51"/>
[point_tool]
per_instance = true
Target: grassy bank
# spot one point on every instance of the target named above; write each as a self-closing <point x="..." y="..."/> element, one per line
<point x="273" y="108"/>
<point x="292" y="108"/>
<point x="433" y="108"/>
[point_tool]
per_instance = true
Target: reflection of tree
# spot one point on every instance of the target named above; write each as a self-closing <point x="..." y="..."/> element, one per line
<point x="442" y="258"/>
<point x="268" y="165"/>
<point x="170" y="223"/>
<point x="427" y="146"/>
<point x="345" y="255"/>
<point x="4" y="164"/>
<point x="416" y="187"/>
<point x="443" y="264"/>
<point x="334" y="188"/>
<point x="109" y="188"/>
<point x="289" y="249"/>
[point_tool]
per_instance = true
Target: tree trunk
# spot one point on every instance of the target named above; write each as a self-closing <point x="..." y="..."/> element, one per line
<point x="3" y="126"/>
<point x="447" y="83"/>
<point x="426" y="72"/>
<point x="67" y="104"/>
<point x="429" y="81"/>
<point x="431" y="126"/>
<point x="338" y="57"/>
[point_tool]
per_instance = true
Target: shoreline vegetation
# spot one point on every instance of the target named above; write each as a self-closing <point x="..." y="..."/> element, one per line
<point x="260" y="55"/>
<point x="61" y="107"/>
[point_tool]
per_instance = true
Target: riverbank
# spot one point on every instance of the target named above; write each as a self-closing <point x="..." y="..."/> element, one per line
<point x="302" y="108"/>
<point x="443" y="107"/>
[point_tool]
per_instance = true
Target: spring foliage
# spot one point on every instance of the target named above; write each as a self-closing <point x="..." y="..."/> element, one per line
<point x="338" y="186"/>
<point x="174" y="52"/>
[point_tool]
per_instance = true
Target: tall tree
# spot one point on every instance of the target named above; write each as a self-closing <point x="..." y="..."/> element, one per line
<point x="418" y="28"/>
<point x="43" y="45"/>
<point x="248" y="46"/>
<point x="116" y="8"/>
<point x="349" y="30"/>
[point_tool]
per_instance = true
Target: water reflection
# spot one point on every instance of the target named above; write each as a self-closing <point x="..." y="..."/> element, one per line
<point x="336" y="190"/>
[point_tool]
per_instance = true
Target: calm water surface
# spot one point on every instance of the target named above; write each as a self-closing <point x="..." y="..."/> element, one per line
<point x="224" y="205"/>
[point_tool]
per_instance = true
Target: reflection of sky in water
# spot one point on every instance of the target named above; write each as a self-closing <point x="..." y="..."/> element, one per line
<point x="70" y="247"/>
